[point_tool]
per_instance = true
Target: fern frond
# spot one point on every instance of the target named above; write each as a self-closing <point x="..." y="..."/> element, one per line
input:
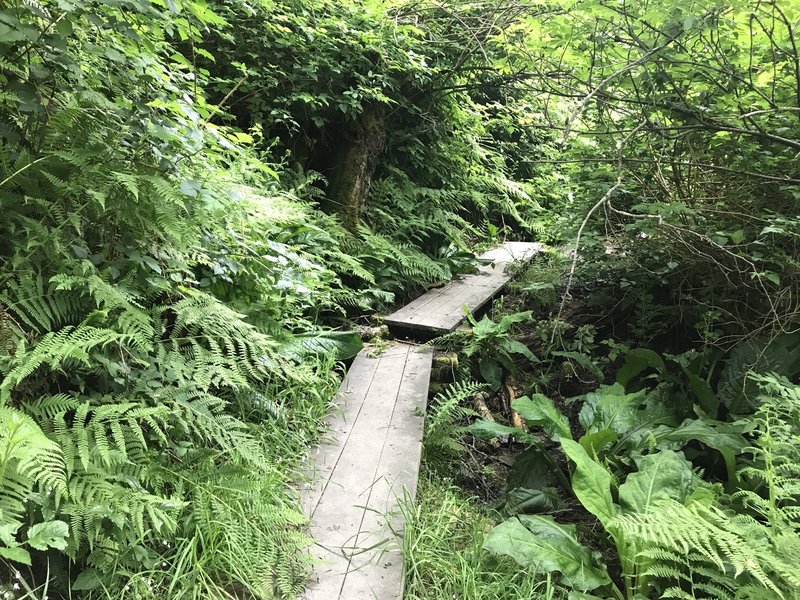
<point x="55" y="349"/>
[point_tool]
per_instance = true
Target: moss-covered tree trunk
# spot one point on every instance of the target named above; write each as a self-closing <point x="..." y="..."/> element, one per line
<point x="355" y="165"/>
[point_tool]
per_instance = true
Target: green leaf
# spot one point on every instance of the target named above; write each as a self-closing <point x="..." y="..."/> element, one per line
<point x="661" y="476"/>
<point x="7" y="532"/>
<point x="488" y="430"/>
<point x="719" y="436"/>
<point x="609" y="407"/>
<point x="541" y="545"/>
<point x="584" y="361"/>
<point x="530" y="470"/>
<point x="515" y="347"/>
<point x="540" y="410"/>
<point x="87" y="580"/>
<point x="706" y="397"/>
<point x="638" y="360"/>
<point x="491" y="371"/>
<point x="594" y="443"/>
<point x="573" y="595"/>
<point x="507" y="321"/>
<point x="152" y="263"/>
<point x="341" y="345"/>
<point x="525" y="500"/>
<point x="16" y="554"/>
<point x="51" y="534"/>
<point x="591" y="483"/>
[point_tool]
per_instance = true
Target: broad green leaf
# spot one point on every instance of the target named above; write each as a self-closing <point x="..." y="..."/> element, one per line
<point x="341" y="345"/>
<point x="51" y="534"/>
<point x="638" y="360"/>
<point x="610" y="407"/>
<point x="487" y="430"/>
<point x="507" y="321"/>
<point x="87" y="580"/>
<point x="706" y="397"/>
<point x="515" y="347"/>
<point x="594" y="443"/>
<point x="663" y="475"/>
<point x="491" y="371"/>
<point x="16" y="554"/>
<point x="530" y="470"/>
<point x="574" y="595"/>
<point x="584" y="361"/>
<point x="541" y="545"/>
<point x="540" y="410"/>
<point x="525" y="500"/>
<point x="7" y="532"/>
<point x="723" y="437"/>
<point x="719" y="436"/>
<point x="591" y="483"/>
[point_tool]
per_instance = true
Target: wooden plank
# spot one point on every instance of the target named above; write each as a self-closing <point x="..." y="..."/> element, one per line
<point x="375" y="441"/>
<point x="442" y="309"/>
<point x="337" y="517"/>
<point x="323" y="458"/>
<point x="378" y="574"/>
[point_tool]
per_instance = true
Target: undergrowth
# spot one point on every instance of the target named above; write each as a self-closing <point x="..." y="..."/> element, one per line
<point x="443" y="544"/>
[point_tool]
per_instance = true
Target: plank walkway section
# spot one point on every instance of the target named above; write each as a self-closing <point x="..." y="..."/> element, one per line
<point x="370" y="464"/>
<point x="441" y="310"/>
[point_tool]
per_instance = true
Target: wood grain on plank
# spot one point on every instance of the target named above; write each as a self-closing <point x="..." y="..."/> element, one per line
<point x="379" y="434"/>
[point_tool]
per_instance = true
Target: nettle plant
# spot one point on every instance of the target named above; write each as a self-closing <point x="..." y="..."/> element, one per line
<point x="675" y="530"/>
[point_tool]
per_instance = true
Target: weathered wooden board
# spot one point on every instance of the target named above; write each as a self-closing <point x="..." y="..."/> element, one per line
<point x="442" y="309"/>
<point x="369" y="462"/>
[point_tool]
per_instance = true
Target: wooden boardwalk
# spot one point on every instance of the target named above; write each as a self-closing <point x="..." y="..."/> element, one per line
<point x="370" y="462"/>
<point x="441" y="310"/>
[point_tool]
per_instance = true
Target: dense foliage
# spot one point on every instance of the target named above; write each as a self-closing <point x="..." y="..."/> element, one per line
<point x="678" y="146"/>
<point x="199" y="197"/>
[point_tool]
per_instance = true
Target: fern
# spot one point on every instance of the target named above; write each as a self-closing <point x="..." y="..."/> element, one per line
<point x="780" y="355"/>
<point x="55" y="349"/>
<point x="40" y="307"/>
<point x="751" y="553"/>
<point x="28" y="460"/>
<point x="445" y="423"/>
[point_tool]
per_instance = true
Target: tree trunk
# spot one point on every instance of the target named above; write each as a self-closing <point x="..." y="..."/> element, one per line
<point x="355" y="166"/>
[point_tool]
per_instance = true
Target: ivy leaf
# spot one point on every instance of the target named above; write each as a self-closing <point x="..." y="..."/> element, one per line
<point x="541" y="545"/>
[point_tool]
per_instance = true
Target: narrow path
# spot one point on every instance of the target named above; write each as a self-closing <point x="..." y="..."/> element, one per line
<point x="370" y="460"/>
<point x="441" y="310"/>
